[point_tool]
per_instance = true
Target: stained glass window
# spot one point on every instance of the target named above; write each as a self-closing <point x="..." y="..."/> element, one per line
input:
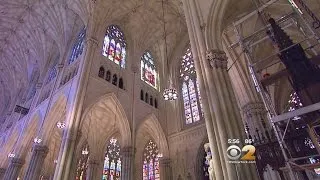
<point x="52" y="74"/>
<point x="190" y="89"/>
<point x="151" y="166"/>
<point x="294" y="103"/>
<point x="148" y="70"/>
<point x="114" y="45"/>
<point x="82" y="165"/>
<point x="78" y="46"/>
<point x="112" y="161"/>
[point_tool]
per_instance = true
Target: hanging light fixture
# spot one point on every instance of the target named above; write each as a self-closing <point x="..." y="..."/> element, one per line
<point x="169" y="93"/>
<point x="85" y="151"/>
<point x="11" y="155"/>
<point x="37" y="140"/>
<point x="61" y="125"/>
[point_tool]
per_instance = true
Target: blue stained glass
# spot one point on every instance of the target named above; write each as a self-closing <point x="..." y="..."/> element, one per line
<point x="78" y="46"/>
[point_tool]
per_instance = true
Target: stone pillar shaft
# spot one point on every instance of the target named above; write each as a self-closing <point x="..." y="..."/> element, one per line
<point x="223" y="120"/>
<point x="165" y="169"/>
<point x="14" y="168"/>
<point x="127" y="160"/>
<point x="2" y="172"/>
<point x="69" y="143"/>
<point x="35" y="166"/>
<point x="93" y="170"/>
<point x="203" y="86"/>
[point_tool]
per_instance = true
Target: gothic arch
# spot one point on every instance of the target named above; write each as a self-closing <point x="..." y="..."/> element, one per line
<point x="214" y="29"/>
<point x="9" y="145"/>
<point x="103" y="119"/>
<point x="29" y="133"/>
<point x="56" y="113"/>
<point x="149" y="128"/>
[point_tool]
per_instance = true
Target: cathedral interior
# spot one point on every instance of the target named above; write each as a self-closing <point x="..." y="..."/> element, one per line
<point x="159" y="89"/>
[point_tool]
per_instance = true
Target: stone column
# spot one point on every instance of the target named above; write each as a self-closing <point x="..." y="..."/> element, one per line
<point x="222" y="114"/>
<point x="38" y="156"/>
<point x="74" y="112"/>
<point x="14" y="168"/>
<point x="127" y="160"/>
<point x="165" y="169"/>
<point x="93" y="170"/>
<point x="2" y="172"/>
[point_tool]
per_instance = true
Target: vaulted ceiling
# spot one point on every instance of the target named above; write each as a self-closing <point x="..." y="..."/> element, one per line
<point x="33" y="32"/>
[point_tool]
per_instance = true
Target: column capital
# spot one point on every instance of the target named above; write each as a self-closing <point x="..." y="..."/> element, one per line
<point x="17" y="161"/>
<point x="41" y="149"/>
<point x="2" y="170"/>
<point x="165" y="161"/>
<point x="93" y="162"/>
<point x="253" y="107"/>
<point x="128" y="151"/>
<point x="217" y="58"/>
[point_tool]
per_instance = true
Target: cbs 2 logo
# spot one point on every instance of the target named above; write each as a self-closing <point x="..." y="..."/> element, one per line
<point x="234" y="152"/>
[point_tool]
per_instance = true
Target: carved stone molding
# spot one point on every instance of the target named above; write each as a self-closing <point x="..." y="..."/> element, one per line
<point x="127" y="151"/>
<point x="17" y="162"/>
<point x="92" y="40"/>
<point x="165" y="162"/>
<point x="217" y="58"/>
<point x="41" y="149"/>
<point x="254" y="108"/>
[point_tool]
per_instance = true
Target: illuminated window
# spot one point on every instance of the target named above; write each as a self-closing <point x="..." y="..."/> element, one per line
<point x="52" y="74"/>
<point x="112" y="161"/>
<point x="190" y="89"/>
<point x="151" y="166"/>
<point x="114" y="45"/>
<point x="78" y="46"/>
<point x="82" y="165"/>
<point x="148" y="70"/>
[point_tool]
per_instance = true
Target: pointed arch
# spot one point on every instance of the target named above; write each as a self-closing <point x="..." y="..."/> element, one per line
<point x="149" y="129"/>
<point x="108" y="114"/>
<point x="56" y="113"/>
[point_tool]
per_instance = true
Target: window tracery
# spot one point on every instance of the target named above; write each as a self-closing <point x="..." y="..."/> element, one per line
<point x="112" y="161"/>
<point x="78" y="46"/>
<point x="190" y="89"/>
<point x="114" y="45"/>
<point x="148" y="70"/>
<point x="82" y="165"/>
<point x="151" y="166"/>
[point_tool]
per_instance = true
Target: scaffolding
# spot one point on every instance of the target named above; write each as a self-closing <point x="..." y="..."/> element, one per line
<point x="310" y="42"/>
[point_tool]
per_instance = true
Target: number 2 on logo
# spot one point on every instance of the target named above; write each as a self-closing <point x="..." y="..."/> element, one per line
<point x="249" y="156"/>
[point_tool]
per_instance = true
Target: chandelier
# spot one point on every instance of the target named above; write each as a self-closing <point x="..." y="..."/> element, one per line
<point x="170" y="93"/>
<point x="37" y="140"/>
<point x="11" y="155"/>
<point x="85" y="151"/>
<point x="61" y="125"/>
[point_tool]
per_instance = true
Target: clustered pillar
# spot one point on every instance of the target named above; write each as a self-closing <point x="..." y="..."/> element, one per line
<point x="38" y="156"/>
<point x="14" y="168"/>
<point x="93" y="168"/>
<point x="165" y="169"/>
<point x="222" y="115"/>
<point x="127" y="160"/>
